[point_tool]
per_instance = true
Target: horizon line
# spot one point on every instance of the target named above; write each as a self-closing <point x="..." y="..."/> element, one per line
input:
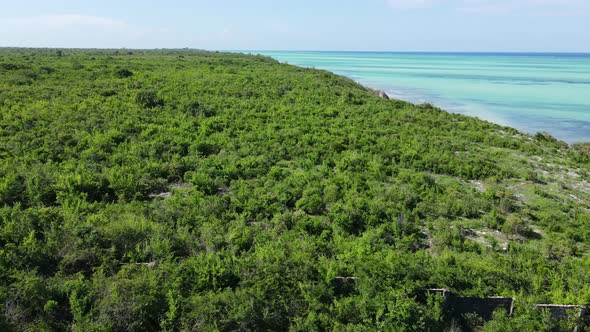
<point x="291" y="50"/>
<point x="432" y="52"/>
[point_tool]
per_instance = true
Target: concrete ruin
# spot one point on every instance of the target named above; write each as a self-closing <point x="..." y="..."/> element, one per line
<point x="483" y="307"/>
<point x="563" y="312"/>
<point x="458" y="307"/>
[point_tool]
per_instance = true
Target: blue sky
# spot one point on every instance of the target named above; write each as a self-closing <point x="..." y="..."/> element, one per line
<point x="378" y="25"/>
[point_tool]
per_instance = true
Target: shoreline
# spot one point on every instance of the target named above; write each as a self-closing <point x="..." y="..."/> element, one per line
<point x="445" y="109"/>
<point x="514" y="104"/>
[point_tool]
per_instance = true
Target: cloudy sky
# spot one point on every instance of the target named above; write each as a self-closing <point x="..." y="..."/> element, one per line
<point x="378" y="25"/>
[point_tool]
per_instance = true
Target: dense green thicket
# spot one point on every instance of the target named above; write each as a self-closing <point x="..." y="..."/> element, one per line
<point x="185" y="190"/>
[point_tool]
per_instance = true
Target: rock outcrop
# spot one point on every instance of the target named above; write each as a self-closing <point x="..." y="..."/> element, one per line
<point x="382" y="94"/>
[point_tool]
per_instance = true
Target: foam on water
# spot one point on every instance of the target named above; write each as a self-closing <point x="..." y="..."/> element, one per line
<point x="531" y="92"/>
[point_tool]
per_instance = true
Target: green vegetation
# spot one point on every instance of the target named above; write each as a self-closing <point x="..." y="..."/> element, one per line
<point x="185" y="190"/>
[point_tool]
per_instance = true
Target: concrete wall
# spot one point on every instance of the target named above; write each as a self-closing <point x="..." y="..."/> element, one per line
<point x="458" y="306"/>
<point x="484" y="307"/>
<point x="561" y="311"/>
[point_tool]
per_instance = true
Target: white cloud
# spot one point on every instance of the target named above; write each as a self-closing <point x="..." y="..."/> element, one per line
<point x="410" y="4"/>
<point x="64" y="21"/>
<point x="574" y="7"/>
<point x="69" y="30"/>
<point x="530" y="7"/>
<point x="85" y="31"/>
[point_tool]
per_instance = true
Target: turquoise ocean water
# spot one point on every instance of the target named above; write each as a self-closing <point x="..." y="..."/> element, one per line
<point x="531" y="92"/>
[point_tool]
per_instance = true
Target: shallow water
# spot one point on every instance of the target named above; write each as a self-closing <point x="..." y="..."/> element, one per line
<point x="531" y="92"/>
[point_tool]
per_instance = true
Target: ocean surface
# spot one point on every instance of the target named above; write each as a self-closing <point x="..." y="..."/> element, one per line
<point x="532" y="92"/>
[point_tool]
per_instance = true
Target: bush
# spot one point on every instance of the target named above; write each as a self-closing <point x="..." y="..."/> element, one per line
<point x="516" y="226"/>
<point x="148" y="99"/>
<point x="123" y="73"/>
<point x="11" y="66"/>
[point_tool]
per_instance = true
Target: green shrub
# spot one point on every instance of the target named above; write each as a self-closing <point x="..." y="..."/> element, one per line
<point x="148" y="99"/>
